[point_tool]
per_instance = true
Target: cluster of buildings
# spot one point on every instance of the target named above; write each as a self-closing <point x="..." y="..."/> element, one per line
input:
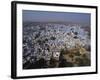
<point x="47" y="40"/>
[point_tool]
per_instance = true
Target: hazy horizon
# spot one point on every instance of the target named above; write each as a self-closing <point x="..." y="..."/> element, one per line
<point x="49" y="16"/>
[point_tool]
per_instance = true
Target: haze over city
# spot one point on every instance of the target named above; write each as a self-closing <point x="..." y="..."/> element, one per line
<point x="49" y="16"/>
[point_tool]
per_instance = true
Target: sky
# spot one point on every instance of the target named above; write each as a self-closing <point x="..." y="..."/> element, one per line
<point x="48" y="16"/>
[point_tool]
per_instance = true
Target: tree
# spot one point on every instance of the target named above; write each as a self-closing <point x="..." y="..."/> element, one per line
<point x="52" y="38"/>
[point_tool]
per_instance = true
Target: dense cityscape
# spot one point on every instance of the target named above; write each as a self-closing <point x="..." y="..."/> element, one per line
<point x="54" y="45"/>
